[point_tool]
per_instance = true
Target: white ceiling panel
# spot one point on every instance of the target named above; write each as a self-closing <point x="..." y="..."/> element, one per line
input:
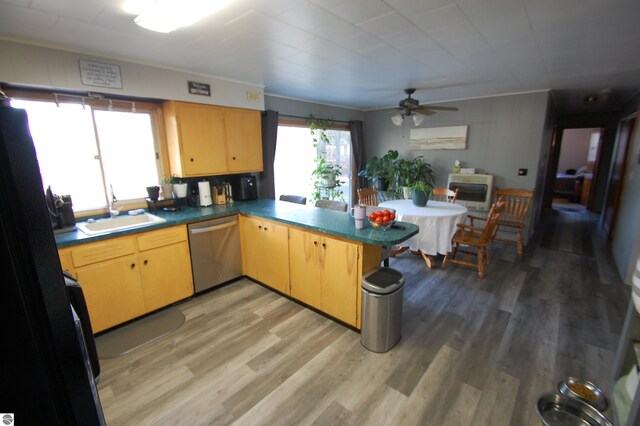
<point x="362" y="53"/>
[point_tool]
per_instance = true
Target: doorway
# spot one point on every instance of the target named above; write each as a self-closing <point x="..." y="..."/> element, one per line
<point x="577" y="167"/>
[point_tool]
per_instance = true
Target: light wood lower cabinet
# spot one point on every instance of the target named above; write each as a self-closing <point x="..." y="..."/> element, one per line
<point x="265" y="252"/>
<point x="324" y="273"/>
<point x="113" y="291"/>
<point x="126" y="277"/>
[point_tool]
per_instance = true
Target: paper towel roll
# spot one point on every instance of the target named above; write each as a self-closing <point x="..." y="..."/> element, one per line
<point x="205" y="193"/>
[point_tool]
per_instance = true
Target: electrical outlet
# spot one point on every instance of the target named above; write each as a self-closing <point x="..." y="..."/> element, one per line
<point x="522" y="172"/>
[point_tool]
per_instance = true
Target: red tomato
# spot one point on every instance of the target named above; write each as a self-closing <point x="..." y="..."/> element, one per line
<point x="386" y="213"/>
<point x="373" y="216"/>
<point x="392" y="216"/>
<point x="379" y="219"/>
<point x="386" y="218"/>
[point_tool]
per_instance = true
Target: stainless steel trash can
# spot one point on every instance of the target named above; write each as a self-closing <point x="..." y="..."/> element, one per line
<point x="382" y="293"/>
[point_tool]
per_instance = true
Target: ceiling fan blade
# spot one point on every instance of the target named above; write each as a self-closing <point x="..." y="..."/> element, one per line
<point x="424" y="111"/>
<point x="439" y="108"/>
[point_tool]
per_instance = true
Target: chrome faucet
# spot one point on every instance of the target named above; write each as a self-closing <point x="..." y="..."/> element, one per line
<point x="113" y="210"/>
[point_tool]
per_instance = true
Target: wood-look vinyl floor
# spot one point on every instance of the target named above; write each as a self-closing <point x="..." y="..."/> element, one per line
<point x="473" y="351"/>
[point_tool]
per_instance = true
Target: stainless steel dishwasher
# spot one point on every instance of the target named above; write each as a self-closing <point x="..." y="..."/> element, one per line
<point x="215" y="252"/>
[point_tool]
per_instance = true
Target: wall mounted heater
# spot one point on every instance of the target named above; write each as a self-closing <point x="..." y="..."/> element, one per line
<point x="474" y="190"/>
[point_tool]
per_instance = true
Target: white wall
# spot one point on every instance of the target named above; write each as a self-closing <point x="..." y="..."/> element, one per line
<point x="574" y="148"/>
<point x="505" y="134"/>
<point x="36" y="66"/>
<point x="286" y="106"/>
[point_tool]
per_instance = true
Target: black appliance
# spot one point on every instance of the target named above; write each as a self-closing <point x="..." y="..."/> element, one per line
<point x="48" y="363"/>
<point x="244" y="188"/>
<point x="60" y="211"/>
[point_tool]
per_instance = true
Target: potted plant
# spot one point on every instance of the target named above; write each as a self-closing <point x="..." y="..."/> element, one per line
<point x="421" y="193"/>
<point x="404" y="176"/>
<point x="167" y="187"/>
<point x="380" y="170"/>
<point x="326" y="180"/>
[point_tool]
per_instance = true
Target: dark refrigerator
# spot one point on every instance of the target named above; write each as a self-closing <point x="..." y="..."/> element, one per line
<point x="47" y="376"/>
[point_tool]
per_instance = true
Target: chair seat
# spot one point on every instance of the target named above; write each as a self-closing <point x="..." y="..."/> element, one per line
<point x="470" y="238"/>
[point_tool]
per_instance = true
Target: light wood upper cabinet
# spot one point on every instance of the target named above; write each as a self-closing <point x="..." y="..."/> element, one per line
<point x="244" y="140"/>
<point x="210" y="140"/>
<point x="265" y="252"/>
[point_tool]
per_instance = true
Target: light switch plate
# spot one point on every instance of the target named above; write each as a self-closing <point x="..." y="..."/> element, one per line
<point x="522" y="172"/>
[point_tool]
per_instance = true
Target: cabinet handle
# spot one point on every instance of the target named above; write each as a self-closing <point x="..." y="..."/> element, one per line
<point x="265" y="228"/>
<point x="315" y="243"/>
<point x="324" y="245"/>
<point x="191" y="159"/>
<point x="133" y="265"/>
<point x="233" y="158"/>
<point x="259" y="226"/>
<point x="146" y="261"/>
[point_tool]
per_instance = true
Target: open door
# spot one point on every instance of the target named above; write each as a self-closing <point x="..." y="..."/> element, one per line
<point x="617" y="174"/>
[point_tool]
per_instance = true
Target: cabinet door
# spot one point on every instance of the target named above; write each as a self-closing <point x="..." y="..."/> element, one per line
<point x="244" y="140"/>
<point x="274" y="259"/>
<point x="305" y="273"/>
<point x="251" y="239"/>
<point x="113" y="291"/>
<point x="202" y="138"/>
<point x="66" y="261"/>
<point x="339" y="263"/>
<point x="166" y="275"/>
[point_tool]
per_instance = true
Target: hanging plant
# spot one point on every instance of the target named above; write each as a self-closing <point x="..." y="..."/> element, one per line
<point x="326" y="175"/>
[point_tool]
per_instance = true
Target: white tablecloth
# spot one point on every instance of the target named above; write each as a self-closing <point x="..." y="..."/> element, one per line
<point x="437" y="222"/>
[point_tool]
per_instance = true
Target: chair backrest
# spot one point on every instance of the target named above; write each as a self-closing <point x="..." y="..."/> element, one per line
<point x="444" y="194"/>
<point x="492" y="219"/>
<point x="298" y="199"/>
<point x="333" y="205"/>
<point x="517" y="202"/>
<point x="367" y="196"/>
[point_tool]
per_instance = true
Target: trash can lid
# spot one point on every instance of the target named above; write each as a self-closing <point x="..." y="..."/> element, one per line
<point x="383" y="280"/>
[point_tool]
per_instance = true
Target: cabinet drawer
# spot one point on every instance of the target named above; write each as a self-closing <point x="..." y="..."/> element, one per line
<point x="103" y="250"/>
<point x="162" y="237"/>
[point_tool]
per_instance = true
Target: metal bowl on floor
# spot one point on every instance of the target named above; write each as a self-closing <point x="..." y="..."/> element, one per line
<point x="556" y="410"/>
<point x="584" y="391"/>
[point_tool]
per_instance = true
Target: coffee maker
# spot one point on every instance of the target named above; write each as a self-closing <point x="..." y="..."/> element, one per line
<point x="244" y="188"/>
<point x="60" y="211"/>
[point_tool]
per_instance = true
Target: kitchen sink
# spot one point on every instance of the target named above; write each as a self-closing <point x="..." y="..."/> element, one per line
<point x="119" y="223"/>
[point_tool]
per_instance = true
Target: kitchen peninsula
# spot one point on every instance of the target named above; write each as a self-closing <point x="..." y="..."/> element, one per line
<point x="313" y="255"/>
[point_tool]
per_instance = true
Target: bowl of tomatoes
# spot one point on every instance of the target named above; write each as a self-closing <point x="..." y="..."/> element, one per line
<point x="382" y="219"/>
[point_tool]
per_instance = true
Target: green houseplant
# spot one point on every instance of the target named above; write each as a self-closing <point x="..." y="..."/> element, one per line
<point x="422" y="181"/>
<point x="381" y="170"/>
<point x="421" y="193"/>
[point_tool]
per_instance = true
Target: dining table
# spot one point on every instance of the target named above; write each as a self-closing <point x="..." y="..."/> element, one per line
<point x="437" y="221"/>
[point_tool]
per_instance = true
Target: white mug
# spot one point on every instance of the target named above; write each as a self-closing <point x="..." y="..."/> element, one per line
<point x="359" y="211"/>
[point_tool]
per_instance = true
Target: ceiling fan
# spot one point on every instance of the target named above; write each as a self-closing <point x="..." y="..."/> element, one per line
<point x="410" y="107"/>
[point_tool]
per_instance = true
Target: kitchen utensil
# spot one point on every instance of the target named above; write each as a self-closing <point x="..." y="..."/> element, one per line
<point x="153" y="192"/>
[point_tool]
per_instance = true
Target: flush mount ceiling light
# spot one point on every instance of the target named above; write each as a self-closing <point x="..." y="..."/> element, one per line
<point x="164" y="16"/>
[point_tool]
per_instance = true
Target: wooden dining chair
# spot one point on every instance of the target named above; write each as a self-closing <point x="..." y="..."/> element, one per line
<point x="333" y="205"/>
<point x="474" y="237"/>
<point x="298" y="199"/>
<point x="367" y="196"/>
<point x="514" y="216"/>
<point x="444" y="194"/>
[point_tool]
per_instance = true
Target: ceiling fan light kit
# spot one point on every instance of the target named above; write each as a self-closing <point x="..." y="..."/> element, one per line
<point x="410" y="107"/>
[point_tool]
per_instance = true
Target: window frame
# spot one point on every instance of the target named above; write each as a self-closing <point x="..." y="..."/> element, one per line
<point x="121" y="104"/>
<point x="334" y="125"/>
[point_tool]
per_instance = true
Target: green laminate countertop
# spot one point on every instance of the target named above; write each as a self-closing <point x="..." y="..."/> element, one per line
<point x="327" y="221"/>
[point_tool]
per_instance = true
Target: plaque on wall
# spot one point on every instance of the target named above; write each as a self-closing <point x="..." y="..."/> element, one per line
<point x="98" y="74"/>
